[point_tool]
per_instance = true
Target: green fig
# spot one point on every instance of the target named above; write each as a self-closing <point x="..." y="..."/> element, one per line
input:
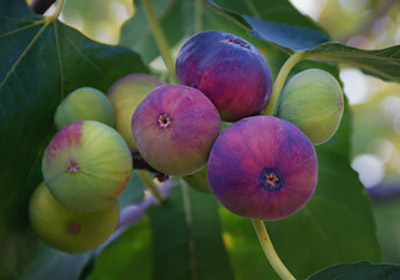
<point x="199" y="181"/>
<point x="313" y="101"/>
<point x="86" y="165"/>
<point x="82" y="104"/>
<point x="125" y="95"/>
<point x="69" y="230"/>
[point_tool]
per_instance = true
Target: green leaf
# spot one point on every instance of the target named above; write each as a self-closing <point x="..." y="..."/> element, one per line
<point x="384" y="64"/>
<point x="176" y="19"/>
<point x="336" y="226"/>
<point x="50" y="263"/>
<point x="133" y="192"/>
<point x="280" y="24"/>
<point x="128" y="257"/>
<point x="42" y="61"/>
<point x="359" y="271"/>
<point x="277" y="22"/>
<point x="187" y="238"/>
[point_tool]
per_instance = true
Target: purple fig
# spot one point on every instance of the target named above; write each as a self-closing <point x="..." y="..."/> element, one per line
<point x="229" y="70"/>
<point x="263" y="168"/>
<point x="174" y="128"/>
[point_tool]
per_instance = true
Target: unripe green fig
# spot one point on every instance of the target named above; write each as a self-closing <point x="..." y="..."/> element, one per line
<point x="313" y="101"/>
<point x="69" y="230"/>
<point x="199" y="181"/>
<point x="86" y="165"/>
<point x="125" y="95"/>
<point x="83" y="104"/>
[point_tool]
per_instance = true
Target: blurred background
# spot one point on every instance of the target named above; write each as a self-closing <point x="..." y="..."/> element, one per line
<point x="365" y="24"/>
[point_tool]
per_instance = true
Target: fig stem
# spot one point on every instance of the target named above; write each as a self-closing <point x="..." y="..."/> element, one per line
<point x="280" y="81"/>
<point x="270" y="252"/>
<point x="150" y="184"/>
<point x="160" y="39"/>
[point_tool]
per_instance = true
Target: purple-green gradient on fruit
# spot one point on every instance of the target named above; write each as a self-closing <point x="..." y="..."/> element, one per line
<point x="229" y="70"/>
<point x="125" y="95"/>
<point x="69" y="230"/>
<point x="263" y="167"/>
<point x="85" y="103"/>
<point x="86" y="165"/>
<point x="174" y="128"/>
<point x="199" y="181"/>
<point x="313" y="101"/>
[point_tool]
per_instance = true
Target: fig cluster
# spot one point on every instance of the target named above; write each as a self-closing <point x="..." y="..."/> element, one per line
<point x="260" y="167"/>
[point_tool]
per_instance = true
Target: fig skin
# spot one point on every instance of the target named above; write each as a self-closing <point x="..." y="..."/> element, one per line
<point x="85" y="103"/>
<point x="313" y="101"/>
<point x="174" y="128"/>
<point x="125" y="95"/>
<point x="86" y="165"/>
<point x="69" y="230"/>
<point x="263" y="168"/>
<point x="199" y="181"/>
<point x="228" y="70"/>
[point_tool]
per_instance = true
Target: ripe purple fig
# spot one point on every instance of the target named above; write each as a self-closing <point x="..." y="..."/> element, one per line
<point x="174" y="128"/>
<point x="86" y="165"/>
<point x="263" y="168"/>
<point x="69" y="230"/>
<point x="125" y="95"/>
<point x="229" y="70"/>
<point x="85" y="103"/>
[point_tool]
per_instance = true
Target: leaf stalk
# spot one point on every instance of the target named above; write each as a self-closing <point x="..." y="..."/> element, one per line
<point x="160" y="39"/>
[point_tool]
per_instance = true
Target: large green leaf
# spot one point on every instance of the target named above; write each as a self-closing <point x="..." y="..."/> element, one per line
<point x="187" y="238"/>
<point x="129" y="257"/>
<point x="42" y="60"/>
<point x="49" y="263"/>
<point x="384" y="64"/>
<point x="277" y="22"/>
<point x="178" y="19"/>
<point x="336" y="226"/>
<point x="359" y="271"/>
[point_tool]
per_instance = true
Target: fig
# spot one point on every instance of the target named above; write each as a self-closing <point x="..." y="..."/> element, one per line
<point x="313" y="101"/>
<point x="228" y="70"/>
<point x="85" y="103"/>
<point x="174" y="128"/>
<point x="263" y="168"/>
<point x="69" y="230"/>
<point x="86" y="165"/>
<point x="199" y="181"/>
<point x="125" y="95"/>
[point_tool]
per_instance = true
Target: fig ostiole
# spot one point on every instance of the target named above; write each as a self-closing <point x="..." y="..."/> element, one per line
<point x="313" y="101"/>
<point x="86" y="165"/>
<point x="85" y="103"/>
<point x="125" y="95"/>
<point x="69" y="230"/>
